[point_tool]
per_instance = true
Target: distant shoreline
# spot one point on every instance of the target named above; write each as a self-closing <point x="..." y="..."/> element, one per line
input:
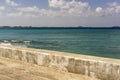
<point x="21" y="27"/>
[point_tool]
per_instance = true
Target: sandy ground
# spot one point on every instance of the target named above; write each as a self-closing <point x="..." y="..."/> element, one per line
<point x="17" y="70"/>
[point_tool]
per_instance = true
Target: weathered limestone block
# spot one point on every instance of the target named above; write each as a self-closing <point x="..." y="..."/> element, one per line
<point x="31" y="57"/>
<point x="96" y="69"/>
<point x="43" y="59"/>
<point x="17" y="54"/>
<point x="6" y="52"/>
<point x="71" y="65"/>
<point x="81" y="67"/>
<point x="60" y="62"/>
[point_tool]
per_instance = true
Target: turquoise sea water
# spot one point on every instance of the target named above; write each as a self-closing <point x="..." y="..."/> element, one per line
<point x="96" y="42"/>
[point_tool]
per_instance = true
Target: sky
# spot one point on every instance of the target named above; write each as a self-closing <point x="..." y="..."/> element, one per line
<point x="60" y="13"/>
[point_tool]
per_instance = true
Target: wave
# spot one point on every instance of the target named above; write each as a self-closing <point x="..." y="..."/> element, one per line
<point x="29" y="43"/>
<point x="22" y="43"/>
<point x="5" y="43"/>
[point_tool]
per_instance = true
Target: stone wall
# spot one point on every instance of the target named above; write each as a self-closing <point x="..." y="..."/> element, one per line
<point x="101" y="68"/>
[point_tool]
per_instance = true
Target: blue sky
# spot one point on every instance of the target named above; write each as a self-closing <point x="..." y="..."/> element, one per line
<point x="102" y="13"/>
<point x="39" y="3"/>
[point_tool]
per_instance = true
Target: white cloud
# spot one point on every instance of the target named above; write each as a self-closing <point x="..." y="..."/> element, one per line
<point x="99" y="9"/>
<point x="116" y="7"/>
<point x="112" y="9"/>
<point x="2" y="8"/>
<point x="71" y="7"/>
<point x="61" y="13"/>
<point x="29" y="9"/>
<point x="32" y="11"/>
<point x="63" y="4"/>
<point x="67" y="8"/>
<point x="11" y="3"/>
<point x="64" y="8"/>
<point x="15" y="14"/>
<point x="78" y="8"/>
<point x="58" y="4"/>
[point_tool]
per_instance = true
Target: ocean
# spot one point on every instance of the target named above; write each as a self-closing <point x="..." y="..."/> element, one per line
<point x="94" y="42"/>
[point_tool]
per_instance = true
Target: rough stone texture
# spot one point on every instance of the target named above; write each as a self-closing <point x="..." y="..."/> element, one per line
<point x="18" y="70"/>
<point x="101" y="68"/>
